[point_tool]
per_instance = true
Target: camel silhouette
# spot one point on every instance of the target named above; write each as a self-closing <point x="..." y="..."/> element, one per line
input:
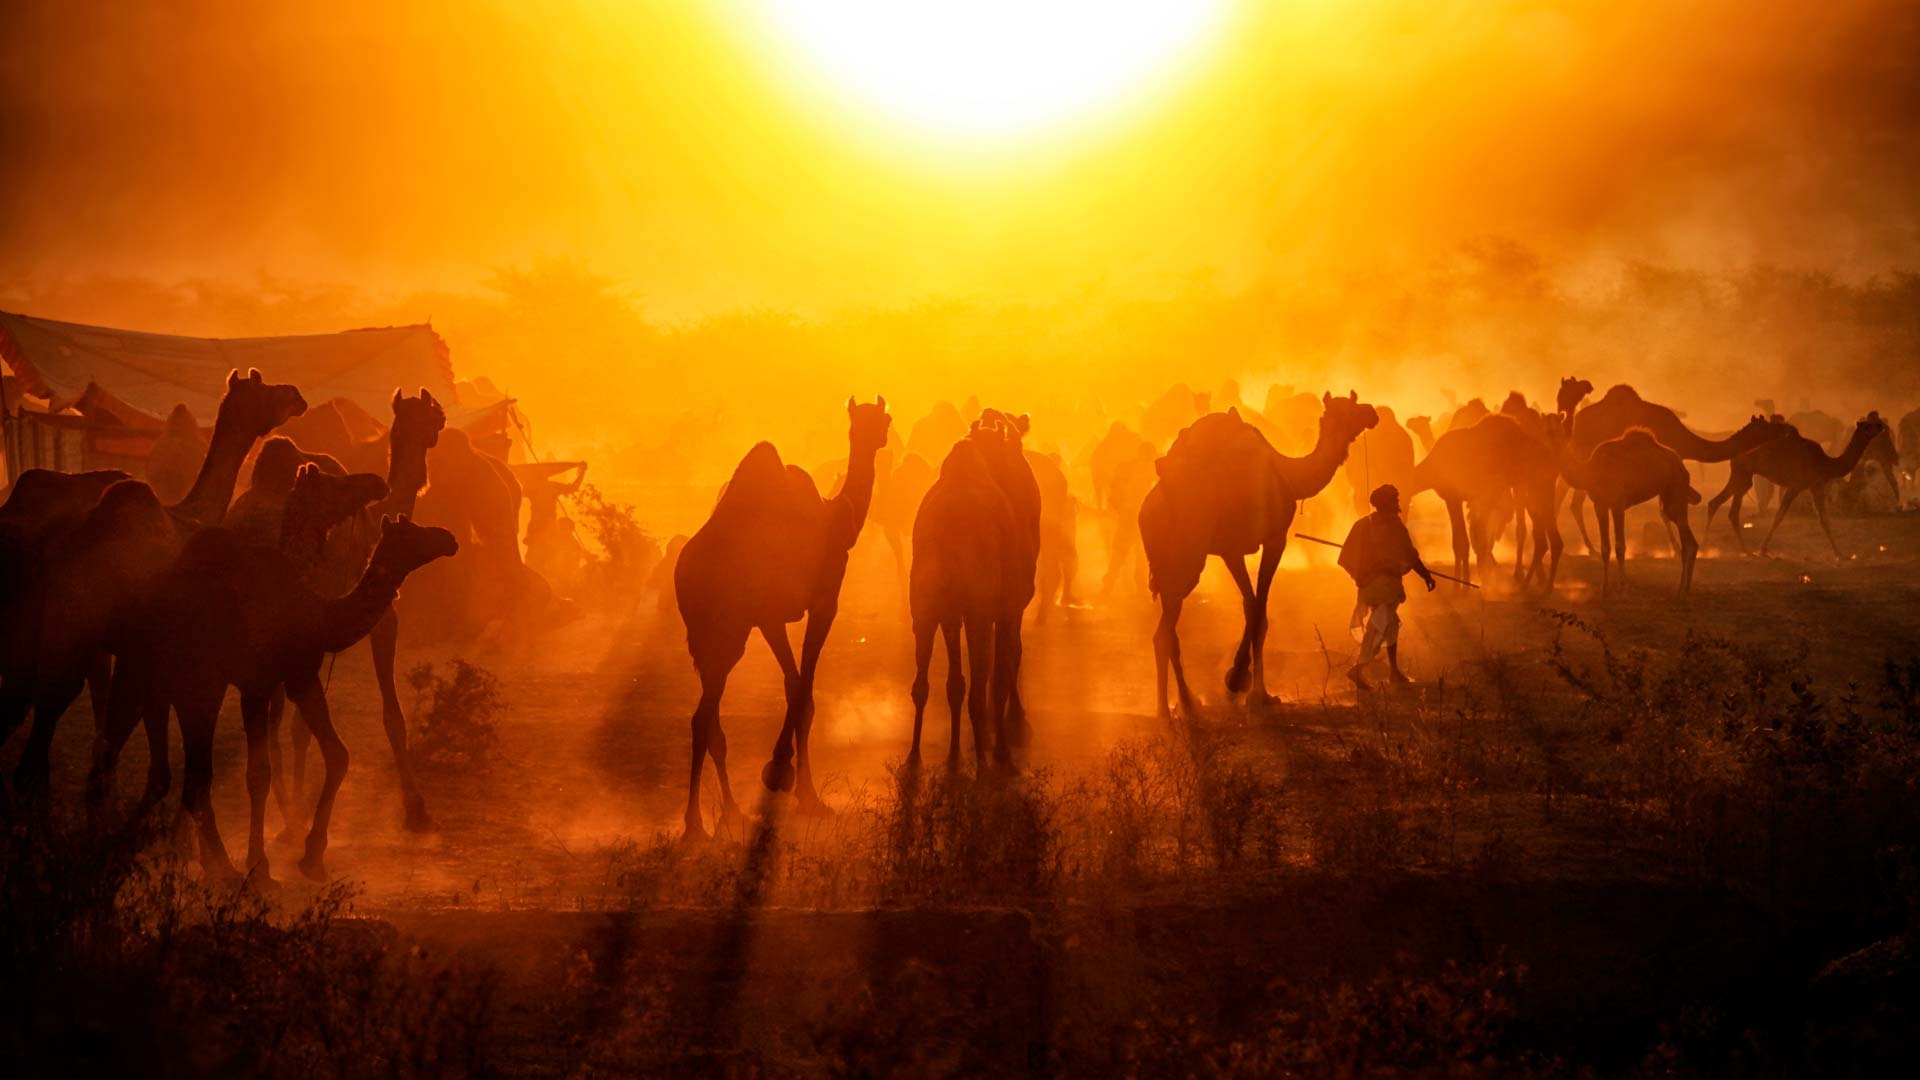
<point x="228" y="613"/>
<point x="1623" y="409"/>
<point x="1493" y="468"/>
<point x="256" y="512"/>
<point x="314" y="503"/>
<point x="1795" y="463"/>
<point x="966" y="570"/>
<point x="94" y="579"/>
<point x="1621" y="473"/>
<point x="1422" y="429"/>
<point x="176" y="456"/>
<point x="1383" y="455"/>
<point x="1118" y="447"/>
<point x="1126" y="492"/>
<point x="1059" y="556"/>
<point x="772" y="552"/>
<point x="1225" y="491"/>
<point x="401" y="454"/>
<point x="896" y="496"/>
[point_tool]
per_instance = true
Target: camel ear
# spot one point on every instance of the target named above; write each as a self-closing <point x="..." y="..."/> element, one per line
<point x="253" y="375"/>
<point x="386" y="524"/>
<point x="304" y="471"/>
<point x="1233" y="412"/>
<point x="849" y="404"/>
<point x="426" y="395"/>
<point x="233" y="378"/>
<point x="1326" y="398"/>
<point x="1025" y="423"/>
<point x="396" y="399"/>
<point x="882" y="402"/>
<point x="1353" y="396"/>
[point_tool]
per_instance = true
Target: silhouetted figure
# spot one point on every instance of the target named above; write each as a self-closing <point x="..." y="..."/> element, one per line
<point x="1117" y="447"/>
<point x="1489" y="469"/>
<point x="773" y="552"/>
<point x="1377" y="554"/>
<point x="1225" y="491"/>
<point x="1623" y="408"/>
<point x="255" y="514"/>
<point x="935" y="433"/>
<point x="91" y="582"/>
<point x="1059" y="547"/>
<point x="1797" y="464"/>
<point x="176" y="456"/>
<point x="1171" y="412"/>
<point x="1622" y="473"/>
<point x="1126" y="492"/>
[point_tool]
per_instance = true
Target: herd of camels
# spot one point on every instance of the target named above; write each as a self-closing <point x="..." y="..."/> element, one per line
<point x="157" y="597"/>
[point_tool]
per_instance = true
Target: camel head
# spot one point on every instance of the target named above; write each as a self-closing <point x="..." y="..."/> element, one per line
<point x="274" y="467"/>
<point x="417" y="421"/>
<point x="257" y="406"/>
<point x="405" y="546"/>
<point x="1345" y="418"/>
<point x="329" y="499"/>
<point x="869" y="425"/>
<point x="1572" y="392"/>
<point x="1010" y="427"/>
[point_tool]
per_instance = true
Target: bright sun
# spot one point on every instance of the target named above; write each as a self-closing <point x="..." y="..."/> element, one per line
<point x="985" y="67"/>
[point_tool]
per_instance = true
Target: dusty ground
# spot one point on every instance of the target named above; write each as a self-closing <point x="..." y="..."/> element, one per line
<point x="594" y="737"/>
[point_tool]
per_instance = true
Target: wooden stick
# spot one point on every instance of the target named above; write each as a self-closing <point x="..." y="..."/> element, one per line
<point x="1430" y="570"/>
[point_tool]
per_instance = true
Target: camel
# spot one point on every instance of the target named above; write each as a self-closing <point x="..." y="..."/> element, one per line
<point x="1795" y="463"/>
<point x="1881" y="458"/>
<point x="1493" y="467"/>
<point x="256" y="513"/>
<point x="315" y="502"/>
<point x="933" y="433"/>
<point x="1382" y="456"/>
<point x="1059" y="552"/>
<point x="1464" y="417"/>
<point x="417" y="426"/>
<point x="1224" y="490"/>
<point x="772" y="552"/>
<point x="1126" y="492"/>
<point x="1289" y="420"/>
<point x="964" y="556"/>
<point x="1623" y="408"/>
<point x="1119" y="446"/>
<point x="176" y="455"/>
<point x="93" y="579"/>
<point x="1172" y="411"/>
<point x="896" y="495"/>
<point x="1007" y="460"/>
<point x="1422" y="428"/>
<point x="1621" y="473"/>
<point x="228" y="613"/>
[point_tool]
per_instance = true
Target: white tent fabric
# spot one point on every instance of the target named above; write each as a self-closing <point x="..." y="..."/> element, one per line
<point x="126" y="371"/>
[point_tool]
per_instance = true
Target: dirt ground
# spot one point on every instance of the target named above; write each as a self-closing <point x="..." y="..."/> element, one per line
<point x="594" y="734"/>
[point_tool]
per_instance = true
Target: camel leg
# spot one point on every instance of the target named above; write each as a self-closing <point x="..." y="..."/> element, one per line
<point x="1166" y="653"/>
<point x="1620" y="541"/>
<point x="312" y="703"/>
<point x="714" y="667"/>
<point x="1520" y="575"/>
<point x="384" y="639"/>
<point x="1606" y="551"/>
<point x="776" y="638"/>
<point x="1239" y="676"/>
<point x="923" y="631"/>
<point x="197" y="717"/>
<point x="129" y="700"/>
<point x="1689" y="550"/>
<point x="257" y="722"/>
<point x="1046" y="580"/>
<point x="1457" y="518"/>
<point x="1787" y="495"/>
<point x="1270" y="554"/>
<point x="1820" y="508"/>
<point x="795" y="738"/>
<point x="1738" y="481"/>
<point x="1013" y="731"/>
<point x="1070" y="563"/>
<point x="956" y="689"/>
<point x="1480" y="535"/>
<point x="979" y="632"/>
<point x="56" y="695"/>
<point x="1577" y="506"/>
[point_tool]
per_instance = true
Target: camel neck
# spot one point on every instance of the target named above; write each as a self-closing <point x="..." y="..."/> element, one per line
<point x="1306" y="476"/>
<point x="1572" y="466"/>
<point x="406" y="475"/>
<point x="347" y="619"/>
<point x="1849" y="458"/>
<point x="1695" y="447"/>
<point x="213" y="487"/>
<point x="856" y="495"/>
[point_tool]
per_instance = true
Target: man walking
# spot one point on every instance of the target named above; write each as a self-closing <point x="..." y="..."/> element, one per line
<point x="1378" y="552"/>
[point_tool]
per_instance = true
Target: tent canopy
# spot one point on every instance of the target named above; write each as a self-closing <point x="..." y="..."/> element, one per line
<point x="140" y="377"/>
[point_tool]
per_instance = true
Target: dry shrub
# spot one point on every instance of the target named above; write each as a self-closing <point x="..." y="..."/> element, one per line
<point x="950" y="838"/>
<point x="454" y="718"/>
<point x="120" y="964"/>
<point x="626" y="552"/>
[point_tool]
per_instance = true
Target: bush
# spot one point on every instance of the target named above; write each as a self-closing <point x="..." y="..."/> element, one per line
<point x="454" y="718"/>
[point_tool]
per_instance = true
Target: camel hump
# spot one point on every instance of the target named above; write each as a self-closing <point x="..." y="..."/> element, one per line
<point x="1624" y="392"/>
<point x="760" y="476"/>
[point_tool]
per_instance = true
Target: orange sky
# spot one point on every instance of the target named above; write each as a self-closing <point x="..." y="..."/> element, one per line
<point x="1334" y="183"/>
<point x="658" y="143"/>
